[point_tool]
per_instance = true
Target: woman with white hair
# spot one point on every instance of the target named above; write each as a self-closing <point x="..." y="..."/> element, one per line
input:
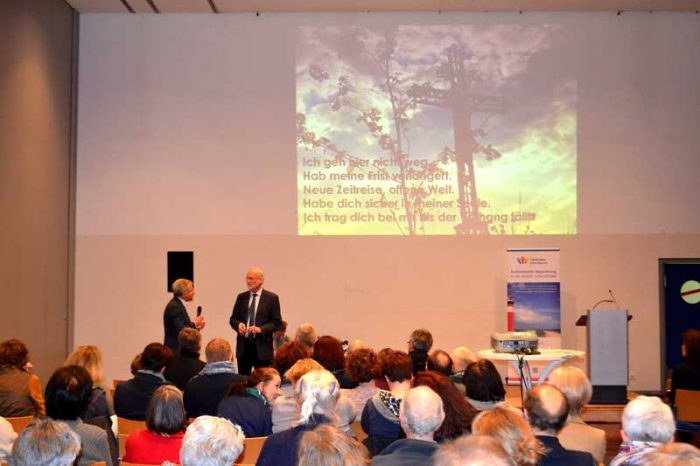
<point x="316" y="394"/>
<point x="576" y="434"/>
<point x="211" y="441"/>
<point x="46" y="442"/>
<point x="647" y="423"/>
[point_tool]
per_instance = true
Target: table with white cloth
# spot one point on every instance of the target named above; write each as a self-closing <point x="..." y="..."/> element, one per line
<point x="520" y="362"/>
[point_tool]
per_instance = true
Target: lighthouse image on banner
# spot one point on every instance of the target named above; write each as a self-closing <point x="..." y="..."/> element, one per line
<point x="534" y="291"/>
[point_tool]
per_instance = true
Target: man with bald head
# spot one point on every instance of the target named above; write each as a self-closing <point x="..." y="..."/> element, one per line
<point x="440" y="361"/>
<point x="420" y="415"/>
<point x="472" y="450"/>
<point x="547" y="410"/>
<point x="255" y="316"/>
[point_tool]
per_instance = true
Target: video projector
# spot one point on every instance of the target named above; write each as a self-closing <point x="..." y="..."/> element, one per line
<point x="514" y="342"/>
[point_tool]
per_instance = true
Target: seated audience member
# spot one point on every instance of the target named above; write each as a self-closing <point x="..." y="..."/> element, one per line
<point x="647" y="424"/>
<point x="45" y="442"/>
<point x="362" y="366"/>
<point x="472" y="450"/>
<point x="285" y="357"/>
<point x="440" y="361"/>
<point x="458" y="413"/>
<point x="328" y="351"/>
<point x="166" y="422"/>
<point x="135" y="365"/>
<point x="249" y="403"/>
<point x="483" y="384"/>
<point x="20" y="391"/>
<point x="185" y="363"/>
<point x="356" y="345"/>
<point x="205" y="391"/>
<point x="380" y="382"/>
<point x="461" y="358"/>
<point x="89" y="357"/>
<point x="211" y="441"/>
<point x="131" y="396"/>
<point x="285" y="410"/>
<point x="7" y="438"/>
<point x="327" y="445"/>
<point x="674" y="454"/>
<point x="380" y="418"/>
<point x="687" y="374"/>
<point x="547" y="409"/>
<point x="317" y="395"/>
<point x="67" y="396"/>
<point x="419" y="343"/>
<point x="576" y="434"/>
<point x="279" y="336"/>
<point x="420" y="415"/>
<point x="512" y="432"/>
<point x="307" y="336"/>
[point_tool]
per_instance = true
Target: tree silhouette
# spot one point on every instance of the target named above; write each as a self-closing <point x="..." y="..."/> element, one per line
<point x="451" y="89"/>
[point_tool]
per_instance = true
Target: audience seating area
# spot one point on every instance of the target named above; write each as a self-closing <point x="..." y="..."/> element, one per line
<point x="605" y="417"/>
<point x="251" y="450"/>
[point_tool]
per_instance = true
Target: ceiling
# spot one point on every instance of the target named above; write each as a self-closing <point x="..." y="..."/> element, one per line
<point x="237" y="6"/>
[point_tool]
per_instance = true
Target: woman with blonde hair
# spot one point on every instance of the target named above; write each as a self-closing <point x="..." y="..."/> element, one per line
<point x="576" y="434"/>
<point x="89" y="357"/>
<point x="317" y="395"/>
<point x="512" y="432"/>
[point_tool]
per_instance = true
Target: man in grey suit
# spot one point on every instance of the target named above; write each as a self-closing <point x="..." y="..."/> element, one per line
<point x="175" y="316"/>
<point x="256" y="314"/>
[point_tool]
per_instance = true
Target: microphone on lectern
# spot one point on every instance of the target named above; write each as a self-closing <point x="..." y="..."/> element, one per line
<point x="613" y="299"/>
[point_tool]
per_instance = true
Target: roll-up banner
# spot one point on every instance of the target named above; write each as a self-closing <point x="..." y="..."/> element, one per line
<point x="534" y="299"/>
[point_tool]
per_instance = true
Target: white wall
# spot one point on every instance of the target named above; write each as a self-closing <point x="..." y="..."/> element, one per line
<point x="186" y="141"/>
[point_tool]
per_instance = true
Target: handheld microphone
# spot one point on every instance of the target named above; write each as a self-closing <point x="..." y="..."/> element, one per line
<point x="613" y="299"/>
<point x="199" y="311"/>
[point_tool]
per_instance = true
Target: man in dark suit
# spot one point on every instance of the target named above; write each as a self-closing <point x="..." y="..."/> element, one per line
<point x="175" y="316"/>
<point x="547" y="410"/>
<point x="256" y="315"/>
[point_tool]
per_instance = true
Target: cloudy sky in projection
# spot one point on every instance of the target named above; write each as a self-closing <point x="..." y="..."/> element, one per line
<point x="532" y="131"/>
<point x="537" y="305"/>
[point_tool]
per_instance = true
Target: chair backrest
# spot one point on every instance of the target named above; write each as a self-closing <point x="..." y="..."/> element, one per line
<point x="124" y="463"/>
<point x="357" y="430"/>
<point x="251" y="450"/>
<point x="124" y="428"/>
<point x="688" y="405"/>
<point x="20" y="422"/>
<point x="127" y="426"/>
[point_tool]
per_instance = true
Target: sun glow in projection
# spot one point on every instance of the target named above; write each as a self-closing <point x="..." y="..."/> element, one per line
<point x="434" y="130"/>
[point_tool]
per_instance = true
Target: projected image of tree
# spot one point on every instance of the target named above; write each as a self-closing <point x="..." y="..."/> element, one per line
<point x="434" y="130"/>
